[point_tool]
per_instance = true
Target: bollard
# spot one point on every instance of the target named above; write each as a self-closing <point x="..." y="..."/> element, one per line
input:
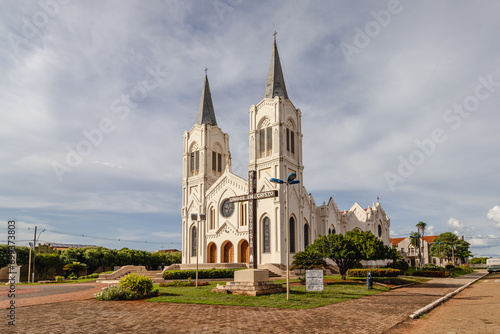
<point x="369" y="280"/>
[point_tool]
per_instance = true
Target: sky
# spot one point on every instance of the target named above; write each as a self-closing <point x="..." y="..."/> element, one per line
<point x="399" y="100"/>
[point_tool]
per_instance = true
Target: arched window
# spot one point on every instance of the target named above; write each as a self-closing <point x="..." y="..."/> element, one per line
<point x="243" y="214"/>
<point x="379" y="231"/>
<point x="292" y="235"/>
<point x="265" y="138"/>
<point x="306" y="235"/>
<point x="331" y="230"/>
<point x="212" y="218"/>
<point x="194" y="160"/>
<point x="266" y="231"/>
<point x="194" y="240"/>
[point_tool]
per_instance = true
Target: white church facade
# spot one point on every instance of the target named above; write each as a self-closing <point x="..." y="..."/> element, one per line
<point x="275" y="151"/>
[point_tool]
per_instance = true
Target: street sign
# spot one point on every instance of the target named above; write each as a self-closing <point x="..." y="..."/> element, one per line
<point x="248" y="197"/>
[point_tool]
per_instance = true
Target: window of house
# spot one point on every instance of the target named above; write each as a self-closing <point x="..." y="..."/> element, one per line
<point x="194" y="240"/>
<point x="243" y="214"/>
<point x="306" y="235"/>
<point x="212" y="218"/>
<point x="292" y="235"/>
<point x="266" y="230"/>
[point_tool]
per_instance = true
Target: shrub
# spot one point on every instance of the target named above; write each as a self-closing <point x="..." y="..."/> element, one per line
<point x="203" y="273"/>
<point x="115" y="292"/>
<point x="464" y="269"/>
<point x="93" y="276"/>
<point x="433" y="267"/>
<point x="59" y="279"/>
<point x="137" y="283"/>
<point x="401" y="265"/>
<point x="430" y="273"/>
<point x="73" y="276"/>
<point x="182" y="283"/>
<point x="376" y="272"/>
<point x="449" y="266"/>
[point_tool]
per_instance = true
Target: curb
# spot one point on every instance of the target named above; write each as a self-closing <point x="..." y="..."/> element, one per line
<point x="442" y="299"/>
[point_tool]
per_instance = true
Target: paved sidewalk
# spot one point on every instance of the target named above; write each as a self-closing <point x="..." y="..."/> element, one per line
<point x="474" y="310"/>
<point x="371" y="314"/>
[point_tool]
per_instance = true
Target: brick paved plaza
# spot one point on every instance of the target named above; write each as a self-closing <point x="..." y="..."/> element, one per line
<point x="372" y="314"/>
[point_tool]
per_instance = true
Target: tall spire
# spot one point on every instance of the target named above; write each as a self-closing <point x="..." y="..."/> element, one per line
<point x="206" y="114"/>
<point x="275" y="85"/>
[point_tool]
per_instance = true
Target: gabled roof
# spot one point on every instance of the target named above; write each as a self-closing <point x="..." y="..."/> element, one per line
<point x="206" y="114"/>
<point x="275" y="85"/>
<point x="427" y="238"/>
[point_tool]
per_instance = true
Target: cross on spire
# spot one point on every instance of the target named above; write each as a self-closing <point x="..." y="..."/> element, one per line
<point x="206" y="71"/>
<point x="378" y="199"/>
<point x="275" y="33"/>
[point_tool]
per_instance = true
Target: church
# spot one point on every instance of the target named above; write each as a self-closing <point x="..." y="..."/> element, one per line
<point x="245" y="220"/>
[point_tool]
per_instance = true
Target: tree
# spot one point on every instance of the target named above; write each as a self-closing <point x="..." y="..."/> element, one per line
<point x="46" y="262"/>
<point x="478" y="260"/>
<point x="416" y="242"/>
<point x="448" y="241"/>
<point x="421" y="229"/>
<point x="347" y="250"/>
<point x="308" y="258"/>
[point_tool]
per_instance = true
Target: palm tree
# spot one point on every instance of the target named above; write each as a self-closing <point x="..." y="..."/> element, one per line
<point x="415" y="242"/>
<point x="421" y="229"/>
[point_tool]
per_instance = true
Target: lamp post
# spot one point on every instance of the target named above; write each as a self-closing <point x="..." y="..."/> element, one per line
<point x="290" y="180"/>
<point x="195" y="217"/>
<point x="439" y="251"/>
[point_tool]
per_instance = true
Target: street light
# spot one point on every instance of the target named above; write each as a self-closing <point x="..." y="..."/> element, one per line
<point x="194" y="217"/>
<point x="290" y="180"/>
<point x="34" y="251"/>
<point x="439" y="250"/>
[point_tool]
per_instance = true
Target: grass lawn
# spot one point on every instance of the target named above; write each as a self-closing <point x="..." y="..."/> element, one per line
<point x="336" y="291"/>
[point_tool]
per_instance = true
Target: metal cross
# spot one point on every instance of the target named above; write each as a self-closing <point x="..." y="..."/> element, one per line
<point x="378" y="199"/>
<point x="206" y="70"/>
<point x="275" y="33"/>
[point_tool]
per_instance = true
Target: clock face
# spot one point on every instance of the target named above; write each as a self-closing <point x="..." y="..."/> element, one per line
<point x="227" y="208"/>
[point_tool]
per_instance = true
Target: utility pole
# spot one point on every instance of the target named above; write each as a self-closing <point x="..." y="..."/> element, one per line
<point x="34" y="256"/>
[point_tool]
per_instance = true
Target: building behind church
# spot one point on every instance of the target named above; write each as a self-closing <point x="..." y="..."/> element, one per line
<point x="275" y="151"/>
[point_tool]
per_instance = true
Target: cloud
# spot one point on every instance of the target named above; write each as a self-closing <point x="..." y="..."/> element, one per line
<point x="494" y="214"/>
<point x="483" y="242"/>
<point x="458" y="227"/>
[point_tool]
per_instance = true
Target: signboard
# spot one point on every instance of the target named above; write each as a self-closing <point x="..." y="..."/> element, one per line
<point x="314" y="280"/>
<point x="248" y="197"/>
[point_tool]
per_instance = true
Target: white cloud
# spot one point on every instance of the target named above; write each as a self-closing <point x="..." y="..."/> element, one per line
<point x="494" y="214"/>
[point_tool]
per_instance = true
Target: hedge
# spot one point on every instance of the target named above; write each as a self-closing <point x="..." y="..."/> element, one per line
<point x="202" y="273"/>
<point x="431" y="273"/>
<point x="377" y="272"/>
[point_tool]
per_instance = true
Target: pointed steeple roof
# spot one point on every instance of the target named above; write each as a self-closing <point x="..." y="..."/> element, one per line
<point x="275" y="85"/>
<point x="206" y="114"/>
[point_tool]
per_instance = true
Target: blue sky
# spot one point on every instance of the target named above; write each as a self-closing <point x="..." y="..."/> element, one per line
<point x="398" y="99"/>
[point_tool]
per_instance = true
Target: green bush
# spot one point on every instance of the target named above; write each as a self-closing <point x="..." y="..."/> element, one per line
<point x="431" y="273"/>
<point x="401" y="265"/>
<point x="93" y="276"/>
<point x="449" y="266"/>
<point x="137" y="283"/>
<point x="115" y="292"/>
<point x="182" y="283"/>
<point x="433" y="267"/>
<point x="203" y="273"/>
<point x="464" y="270"/>
<point x="73" y="276"/>
<point x="59" y="279"/>
<point x="376" y="272"/>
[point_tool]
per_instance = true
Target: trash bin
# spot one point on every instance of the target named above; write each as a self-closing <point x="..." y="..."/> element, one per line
<point x="369" y="280"/>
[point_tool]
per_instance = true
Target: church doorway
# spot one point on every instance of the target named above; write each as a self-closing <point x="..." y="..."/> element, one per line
<point x="227" y="252"/>
<point x="212" y="253"/>
<point x="243" y="252"/>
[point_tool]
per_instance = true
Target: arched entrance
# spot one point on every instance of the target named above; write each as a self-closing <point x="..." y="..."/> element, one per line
<point x="227" y="252"/>
<point x="243" y="252"/>
<point x="212" y="253"/>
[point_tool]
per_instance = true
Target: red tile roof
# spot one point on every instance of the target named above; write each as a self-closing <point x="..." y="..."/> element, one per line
<point x="427" y="238"/>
